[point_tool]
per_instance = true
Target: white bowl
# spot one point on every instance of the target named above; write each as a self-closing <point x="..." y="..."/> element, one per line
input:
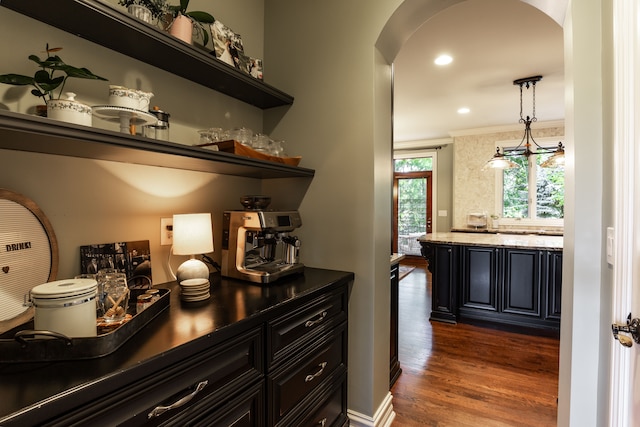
<point x="120" y="96"/>
<point x="69" y="110"/>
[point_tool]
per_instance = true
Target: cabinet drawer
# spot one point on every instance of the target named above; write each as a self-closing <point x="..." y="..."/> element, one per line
<point x="246" y="410"/>
<point x="303" y="324"/>
<point x="332" y="408"/>
<point x="219" y="372"/>
<point x="226" y="368"/>
<point x="291" y="384"/>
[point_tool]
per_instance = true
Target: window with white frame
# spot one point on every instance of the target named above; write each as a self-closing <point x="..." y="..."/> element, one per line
<point x="530" y="195"/>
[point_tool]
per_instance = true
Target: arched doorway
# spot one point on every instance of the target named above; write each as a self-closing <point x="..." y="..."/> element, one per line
<point x="584" y="356"/>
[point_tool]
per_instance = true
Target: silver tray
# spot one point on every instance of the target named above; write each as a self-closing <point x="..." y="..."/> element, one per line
<point x="20" y="345"/>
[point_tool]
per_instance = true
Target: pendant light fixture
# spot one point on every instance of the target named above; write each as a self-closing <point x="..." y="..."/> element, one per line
<point x="500" y="161"/>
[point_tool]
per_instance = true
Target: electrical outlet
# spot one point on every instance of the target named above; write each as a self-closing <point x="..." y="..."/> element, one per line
<point x="166" y="231"/>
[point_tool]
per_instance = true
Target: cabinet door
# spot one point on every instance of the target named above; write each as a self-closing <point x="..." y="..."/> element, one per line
<point x="522" y="282"/>
<point x="554" y="285"/>
<point x="480" y="278"/>
<point x="394" y="363"/>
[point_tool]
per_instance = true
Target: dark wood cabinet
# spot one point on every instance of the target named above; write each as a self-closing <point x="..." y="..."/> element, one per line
<point x="513" y="287"/>
<point x="443" y="264"/>
<point x="394" y="361"/>
<point x="276" y="356"/>
<point x="307" y="351"/>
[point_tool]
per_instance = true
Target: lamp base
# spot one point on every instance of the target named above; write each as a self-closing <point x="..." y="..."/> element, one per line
<point x="192" y="269"/>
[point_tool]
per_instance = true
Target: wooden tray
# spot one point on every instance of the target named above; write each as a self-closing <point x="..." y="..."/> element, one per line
<point x="235" y="147"/>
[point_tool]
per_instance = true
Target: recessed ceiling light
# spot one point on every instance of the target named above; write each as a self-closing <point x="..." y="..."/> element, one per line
<point x="463" y="110"/>
<point x="443" y="60"/>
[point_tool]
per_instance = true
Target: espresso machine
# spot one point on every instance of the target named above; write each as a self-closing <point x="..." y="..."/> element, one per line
<point x="257" y="245"/>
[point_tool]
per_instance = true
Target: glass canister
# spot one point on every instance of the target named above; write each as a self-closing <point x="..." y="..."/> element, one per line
<point x="242" y="135"/>
<point x="116" y="294"/>
<point x="159" y="130"/>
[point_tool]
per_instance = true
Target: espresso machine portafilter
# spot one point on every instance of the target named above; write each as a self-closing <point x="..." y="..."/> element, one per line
<point x="258" y="246"/>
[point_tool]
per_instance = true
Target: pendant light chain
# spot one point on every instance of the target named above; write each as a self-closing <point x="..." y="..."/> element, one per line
<point x="533" y="119"/>
<point x="527" y="83"/>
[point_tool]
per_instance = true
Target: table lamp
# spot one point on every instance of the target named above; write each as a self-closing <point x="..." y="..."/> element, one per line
<point x="192" y="235"/>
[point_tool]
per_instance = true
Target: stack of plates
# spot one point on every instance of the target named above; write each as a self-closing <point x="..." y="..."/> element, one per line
<point x="192" y="290"/>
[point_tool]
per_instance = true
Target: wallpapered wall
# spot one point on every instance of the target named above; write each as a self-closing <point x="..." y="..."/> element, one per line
<point x="475" y="189"/>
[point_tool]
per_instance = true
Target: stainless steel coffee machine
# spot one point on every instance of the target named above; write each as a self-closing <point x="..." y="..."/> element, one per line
<point x="257" y="245"/>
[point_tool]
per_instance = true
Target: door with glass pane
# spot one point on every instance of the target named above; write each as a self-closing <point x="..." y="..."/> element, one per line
<point x="412" y="204"/>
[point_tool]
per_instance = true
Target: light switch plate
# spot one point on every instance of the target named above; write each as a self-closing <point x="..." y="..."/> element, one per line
<point x="610" y="245"/>
<point x="166" y="231"/>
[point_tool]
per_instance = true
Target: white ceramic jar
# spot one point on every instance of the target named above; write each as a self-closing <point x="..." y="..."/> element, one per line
<point x="69" y="110"/>
<point x="66" y="306"/>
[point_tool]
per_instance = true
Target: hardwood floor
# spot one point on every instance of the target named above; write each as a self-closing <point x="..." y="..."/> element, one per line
<point x="468" y="376"/>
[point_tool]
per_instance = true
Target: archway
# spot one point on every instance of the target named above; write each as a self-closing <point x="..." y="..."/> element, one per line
<point x="578" y="372"/>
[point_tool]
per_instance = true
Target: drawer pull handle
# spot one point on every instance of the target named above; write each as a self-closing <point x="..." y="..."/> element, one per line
<point x="310" y="378"/>
<point x="322" y="422"/>
<point x="159" y="410"/>
<point x="310" y="323"/>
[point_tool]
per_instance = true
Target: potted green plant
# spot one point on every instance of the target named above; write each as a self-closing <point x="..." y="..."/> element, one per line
<point x="44" y="81"/>
<point x="184" y="22"/>
<point x="49" y="80"/>
<point x="145" y="10"/>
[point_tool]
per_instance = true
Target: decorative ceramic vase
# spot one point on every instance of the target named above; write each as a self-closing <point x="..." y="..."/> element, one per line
<point x="182" y="28"/>
<point x="69" y="110"/>
<point x="140" y="12"/>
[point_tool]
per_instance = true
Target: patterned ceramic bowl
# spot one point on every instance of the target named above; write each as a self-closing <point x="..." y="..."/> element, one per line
<point x="120" y="96"/>
<point x="69" y="110"/>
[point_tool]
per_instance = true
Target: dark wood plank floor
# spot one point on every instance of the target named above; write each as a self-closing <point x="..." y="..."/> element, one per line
<point x="468" y="376"/>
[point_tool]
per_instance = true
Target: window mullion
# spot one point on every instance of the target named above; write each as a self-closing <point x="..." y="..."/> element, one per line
<point x="533" y="187"/>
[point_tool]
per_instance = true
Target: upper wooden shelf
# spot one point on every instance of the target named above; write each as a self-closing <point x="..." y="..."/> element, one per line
<point x="117" y="30"/>
<point x="24" y="132"/>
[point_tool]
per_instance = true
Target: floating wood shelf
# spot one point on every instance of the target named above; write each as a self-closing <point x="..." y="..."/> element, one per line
<point x="115" y="29"/>
<point x="24" y="132"/>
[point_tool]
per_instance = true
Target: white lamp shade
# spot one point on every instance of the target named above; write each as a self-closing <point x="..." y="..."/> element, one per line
<point x="192" y="234"/>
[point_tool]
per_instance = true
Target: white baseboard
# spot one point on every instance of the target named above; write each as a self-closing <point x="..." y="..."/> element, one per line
<point x="383" y="417"/>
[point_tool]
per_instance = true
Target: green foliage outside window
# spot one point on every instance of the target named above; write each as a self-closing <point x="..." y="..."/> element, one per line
<point x="414" y="165"/>
<point x="549" y="196"/>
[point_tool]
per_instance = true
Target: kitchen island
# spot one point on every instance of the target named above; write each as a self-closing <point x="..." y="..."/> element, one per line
<point x="513" y="281"/>
<point x="250" y="355"/>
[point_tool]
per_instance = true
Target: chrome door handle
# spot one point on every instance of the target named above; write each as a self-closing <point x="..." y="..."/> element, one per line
<point x="632" y="327"/>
